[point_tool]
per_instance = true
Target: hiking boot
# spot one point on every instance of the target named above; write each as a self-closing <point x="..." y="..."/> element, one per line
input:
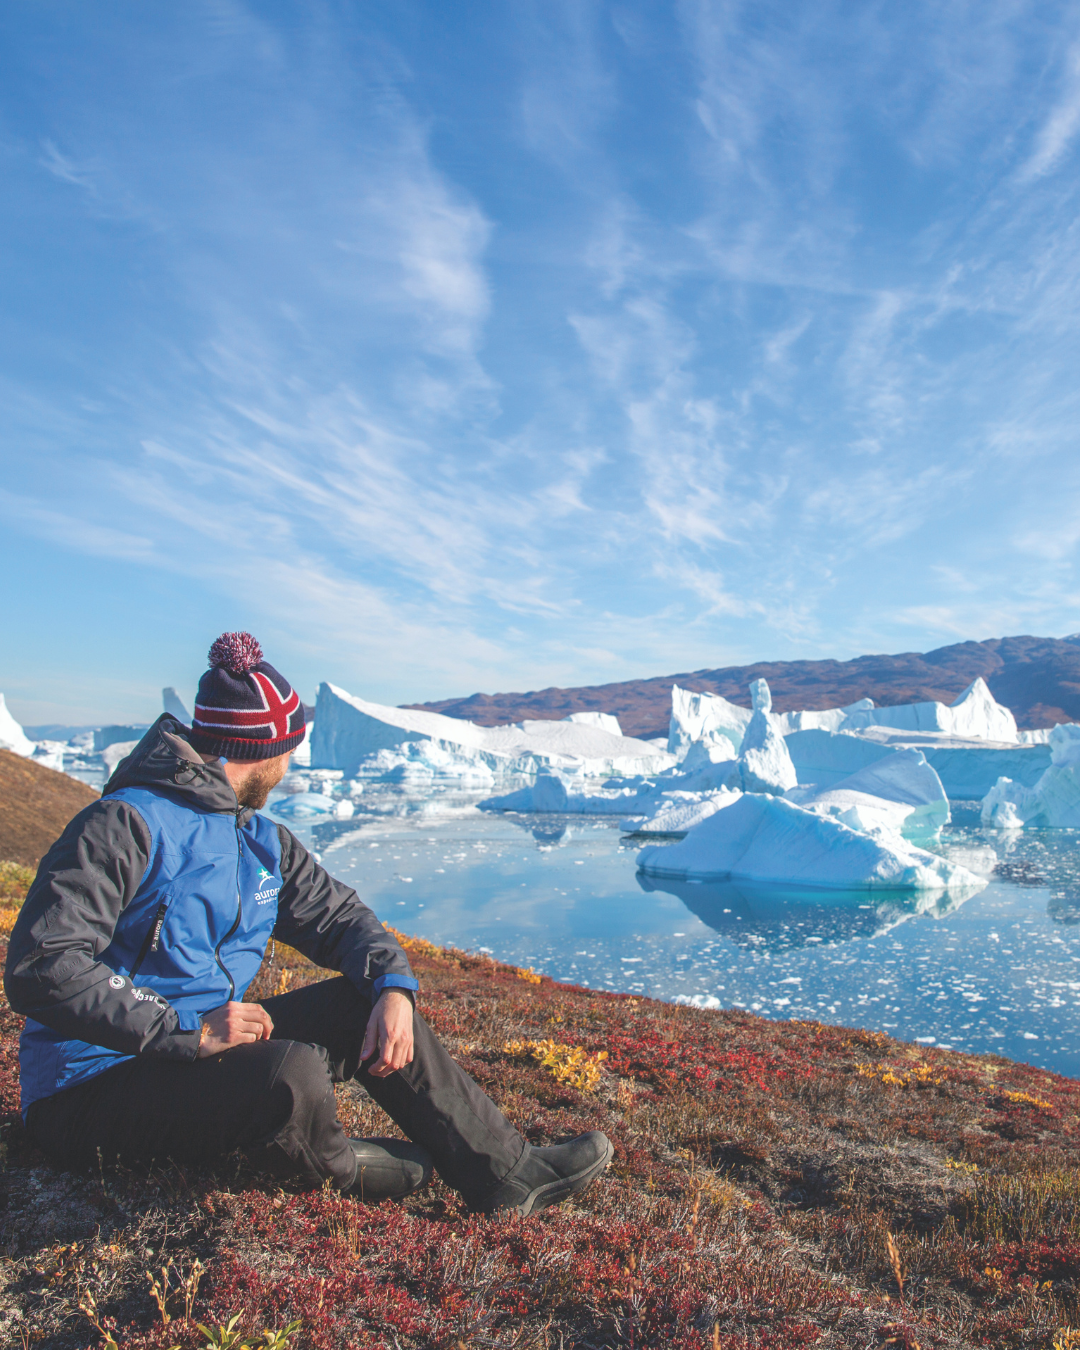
<point x="388" y="1169"/>
<point x="545" y="1176"/>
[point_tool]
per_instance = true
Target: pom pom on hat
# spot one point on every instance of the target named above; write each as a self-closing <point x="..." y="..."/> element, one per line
<point x="238" y="652"/>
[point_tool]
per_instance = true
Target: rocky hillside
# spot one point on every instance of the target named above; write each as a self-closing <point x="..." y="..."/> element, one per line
<point x="35" y="805"/>
<point x="1038" y="678"/>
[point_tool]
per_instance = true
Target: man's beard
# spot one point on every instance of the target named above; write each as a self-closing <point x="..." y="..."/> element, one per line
<point x="260" y="783"/>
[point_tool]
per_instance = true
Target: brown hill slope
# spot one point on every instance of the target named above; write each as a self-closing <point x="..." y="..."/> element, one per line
<point x="1038" y="678"/>
<point x="35" y="805"/>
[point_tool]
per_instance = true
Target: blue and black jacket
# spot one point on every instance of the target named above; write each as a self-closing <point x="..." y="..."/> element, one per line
<point x="156" y="905"/>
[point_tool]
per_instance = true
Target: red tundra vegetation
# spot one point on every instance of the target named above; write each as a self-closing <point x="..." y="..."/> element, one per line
<point x="775" y="1185"/>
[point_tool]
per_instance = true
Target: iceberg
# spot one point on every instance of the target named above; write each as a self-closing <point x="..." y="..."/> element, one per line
<point x="350" y="730"/>
<point x="974" y="715"/>
<point x="172" y="703"/>
<point x="968" y="768"/>
<point x="705" y="717"/>
<point x="1053" y="802"/>
<point x="50" y="755"/>
<point x="114" y="752"/>
<point x="766" y="839"/>
<point x="12" y="736"/>
<point x="764" y="764"/>
<point x="899" y="791"/>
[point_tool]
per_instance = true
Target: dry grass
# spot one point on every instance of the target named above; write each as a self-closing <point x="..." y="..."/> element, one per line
<point x="774" y="1185"/>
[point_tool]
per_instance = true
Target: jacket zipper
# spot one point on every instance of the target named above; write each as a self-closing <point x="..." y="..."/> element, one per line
<point x="150" y="941"/>
<point x="239" y="912"/>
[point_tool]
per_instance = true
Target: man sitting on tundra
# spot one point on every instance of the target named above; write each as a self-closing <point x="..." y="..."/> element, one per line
<point x="148" y="919"/>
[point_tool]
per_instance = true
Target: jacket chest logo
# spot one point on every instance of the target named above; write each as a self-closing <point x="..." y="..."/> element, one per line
<point x="267" y="893"/>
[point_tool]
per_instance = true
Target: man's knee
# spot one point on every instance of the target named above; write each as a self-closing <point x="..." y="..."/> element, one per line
<point x="302" y="1077"/>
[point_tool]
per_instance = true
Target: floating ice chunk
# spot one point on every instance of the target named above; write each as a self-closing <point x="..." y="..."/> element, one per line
<point x="605" y="721"/>
<point x="173" y="705"/>
<point x="1040" y="736"/>
<point x="763" y="838"/>
<point x="350" y="730"/>
<point x="705" y="717"/>
<point x="1053" y="802"/>
<point x="764" y="764"/>
<point x="12" y="736"/>
<point x="304" y="805"/>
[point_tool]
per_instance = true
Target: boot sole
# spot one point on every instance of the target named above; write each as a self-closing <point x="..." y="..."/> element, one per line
<point x="555" y="1191"/>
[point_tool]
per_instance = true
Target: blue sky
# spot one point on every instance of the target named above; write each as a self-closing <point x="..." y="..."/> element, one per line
<point x="492" y="346"/>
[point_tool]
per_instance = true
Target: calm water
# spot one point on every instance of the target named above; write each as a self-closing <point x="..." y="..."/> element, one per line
<point x="1000" y="971"/>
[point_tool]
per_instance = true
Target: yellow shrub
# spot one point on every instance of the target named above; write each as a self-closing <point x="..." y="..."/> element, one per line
<point x="568" y="1064"/>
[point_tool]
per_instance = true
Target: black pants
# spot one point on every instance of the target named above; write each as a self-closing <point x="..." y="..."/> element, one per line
<point x="275" y="1100"/>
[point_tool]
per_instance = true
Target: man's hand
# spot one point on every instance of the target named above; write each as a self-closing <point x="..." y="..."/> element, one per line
<point x="389" y="1029"/>
<point x="234" y="1024"/>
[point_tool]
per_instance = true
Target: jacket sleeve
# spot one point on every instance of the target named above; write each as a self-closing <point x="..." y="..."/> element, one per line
<point x="329" y="923"/>
<point x="67" y="920"/>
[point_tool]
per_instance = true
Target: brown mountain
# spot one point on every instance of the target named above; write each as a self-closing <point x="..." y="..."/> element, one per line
<point x="35" y="805"/>
<point x="1038" y="678"/>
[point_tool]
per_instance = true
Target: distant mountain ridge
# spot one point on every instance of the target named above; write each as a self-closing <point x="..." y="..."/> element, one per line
<point x="1038" y="678"/>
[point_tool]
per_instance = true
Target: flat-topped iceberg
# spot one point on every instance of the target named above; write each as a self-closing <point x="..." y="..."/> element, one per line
<point x="349" y="731"/>
<point x="1053" y="802"/>
<point x="764" y="838"/>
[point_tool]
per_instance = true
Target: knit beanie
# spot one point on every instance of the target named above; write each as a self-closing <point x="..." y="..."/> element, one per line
<point x="244" y="709"/>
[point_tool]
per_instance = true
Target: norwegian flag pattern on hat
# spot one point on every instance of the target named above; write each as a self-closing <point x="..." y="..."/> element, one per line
<point x="245" y="709"/>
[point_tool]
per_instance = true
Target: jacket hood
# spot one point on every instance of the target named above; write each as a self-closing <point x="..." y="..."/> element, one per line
<point x="165" y="759"/>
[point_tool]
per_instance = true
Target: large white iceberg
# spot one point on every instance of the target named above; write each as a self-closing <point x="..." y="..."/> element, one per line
<point x="12" y="736"/>
<point x="975" y="714"/>
<point x="764" y="838"/>
<point x="349" y="731"/>
<point x="968" y="767"/>
<point x="900" y="791"/>
<point x="1053" y="802"/>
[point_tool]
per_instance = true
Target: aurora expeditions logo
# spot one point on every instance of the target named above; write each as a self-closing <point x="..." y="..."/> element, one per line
<point x="266" y="895"/>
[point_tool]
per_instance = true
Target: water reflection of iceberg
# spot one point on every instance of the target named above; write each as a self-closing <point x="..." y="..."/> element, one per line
<point x="775" y="918"/>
